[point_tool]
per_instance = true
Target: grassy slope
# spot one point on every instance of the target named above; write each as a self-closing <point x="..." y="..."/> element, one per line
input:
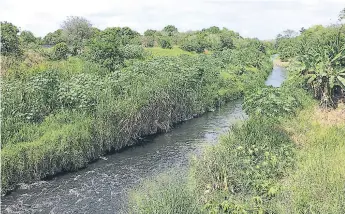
<point x="294" y="166"/>
<point x="317" y="183"/>
<point x="67" y="139"/>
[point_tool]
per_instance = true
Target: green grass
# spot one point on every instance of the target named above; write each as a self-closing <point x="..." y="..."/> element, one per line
<point x="107" y="109"/>
<point x="317" y="184"/>
<point x="293" y="165"/>
<point x="175" y="51"/>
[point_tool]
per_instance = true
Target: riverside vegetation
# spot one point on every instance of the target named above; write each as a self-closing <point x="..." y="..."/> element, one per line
<point x="99" y="91"/>
<point x="288" y="157"/>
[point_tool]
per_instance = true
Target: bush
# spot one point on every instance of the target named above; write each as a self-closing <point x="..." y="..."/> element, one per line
<point x="271" y="102"/>
<point x="133" y="51"/>
<point x="10" y="43"/>
<point x="167" y="193"/>
<point x="165" y="43"/>
<point x="60" y="51"/>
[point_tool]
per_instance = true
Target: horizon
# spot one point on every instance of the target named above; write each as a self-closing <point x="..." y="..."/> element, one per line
<point x="254" y="18"/>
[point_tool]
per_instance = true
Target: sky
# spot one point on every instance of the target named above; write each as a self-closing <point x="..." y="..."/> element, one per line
<point x="262" y="19"/>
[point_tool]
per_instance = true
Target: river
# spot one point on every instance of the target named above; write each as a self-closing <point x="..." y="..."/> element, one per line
<point x="101" y="187"/>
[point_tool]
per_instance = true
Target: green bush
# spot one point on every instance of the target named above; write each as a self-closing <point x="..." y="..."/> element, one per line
<point x="10" y="43"/>
<point x="60" y="51"/>
<point x="271" y="102"/>
<point x="171" y="195"/>
<point x="165" y="43"/>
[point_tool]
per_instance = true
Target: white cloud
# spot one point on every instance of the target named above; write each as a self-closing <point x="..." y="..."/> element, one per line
<point x="254" y="18"/>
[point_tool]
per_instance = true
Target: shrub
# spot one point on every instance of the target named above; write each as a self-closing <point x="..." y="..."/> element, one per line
<point x="60" y="51"/>
<point x="165" y="43"/>
<point x="10" y="44"/>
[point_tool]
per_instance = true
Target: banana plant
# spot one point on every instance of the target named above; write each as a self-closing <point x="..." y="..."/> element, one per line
<point x="323" y="74"/>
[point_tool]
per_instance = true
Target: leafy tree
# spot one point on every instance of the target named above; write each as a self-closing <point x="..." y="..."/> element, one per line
<point x="27" y="37"/>
<point x="213" y="30"/>
<point x="226" y="41"/>
<point x="95" y="32"/>
<point x="170" y="30"/>
<point x="150" y="32"/>
<point x="77" y="30"/>
<point x="105" y="49"/>
<point x="302" y="30"/>
<point x="321" y="53"/>
<point x="60" y="51"/>
<point x="113" y="46"/>
<point x="10" y="43"/>
<point x="165" y="43"/>
<point x="289" y="33"/>
<point x="54" y="38"/>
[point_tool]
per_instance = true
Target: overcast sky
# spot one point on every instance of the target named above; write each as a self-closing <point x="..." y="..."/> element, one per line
<point x="251" y="18"/>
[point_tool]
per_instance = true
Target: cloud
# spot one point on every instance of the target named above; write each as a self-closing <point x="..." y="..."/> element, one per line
<point x="263" y="19"/>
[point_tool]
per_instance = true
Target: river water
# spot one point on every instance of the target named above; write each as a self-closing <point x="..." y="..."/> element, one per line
<point x="101" y="187"/>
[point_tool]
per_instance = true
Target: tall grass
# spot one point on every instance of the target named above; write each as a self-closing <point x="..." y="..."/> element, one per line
<point x="168" y="193"/>
<point x="109" y="110"/>
<point x="317" y="184"/>
<point x="291" y="164"/>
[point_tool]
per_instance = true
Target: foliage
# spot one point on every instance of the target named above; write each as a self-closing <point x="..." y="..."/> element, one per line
<point x="146" y="97"/>
<point x="165" y="43"/>
<point x="271" y="102"/>
<point x="171" y="195"/>
<point x="76" y="30"/>
<point x="10" y="43"/>
<point x="170" y="30"/>
<point x="54" y="38"/>
<point x="320" y="53"/>
<point x="318" y="170"/>
<point x="212" y="30"/>
<point x="60" y="51"/>
<point x="150" y="32"/>
<point x="175" y="51"/>
<point x="113" y="46"/>
<point x="27" y="37"/>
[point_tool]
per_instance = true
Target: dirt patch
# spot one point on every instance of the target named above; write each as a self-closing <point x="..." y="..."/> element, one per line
<point x="278" y="62"/>
<point x="330" y="117"/>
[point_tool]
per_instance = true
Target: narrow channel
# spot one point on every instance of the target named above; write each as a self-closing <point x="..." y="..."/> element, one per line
<point x="101" y="187"/>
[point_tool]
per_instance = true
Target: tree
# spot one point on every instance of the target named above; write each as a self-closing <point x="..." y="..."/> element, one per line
<point x="165" y="43"/>
<point x="27" y="37"/>
<point x="10" y="44"/>
<point x="323" y="63"/>
<point x="289" y="33"/>
<point x="170" y="30"/>
<point x="226" y="41"/>
<point x="213" y="29"/>
<point x="77" y="30"/>
<point x="60" y="51"/>
<point x="342" y="14"/>
<point x="105" y="49"/>
<point x="150" y="32"/>
<point x="54" y="38"/>
<point x="302" y="30"/>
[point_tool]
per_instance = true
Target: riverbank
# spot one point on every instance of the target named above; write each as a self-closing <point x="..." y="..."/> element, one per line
<point x="278" y="62"/>
<point x="267" y="164"/>
<point x="93" y="113"/>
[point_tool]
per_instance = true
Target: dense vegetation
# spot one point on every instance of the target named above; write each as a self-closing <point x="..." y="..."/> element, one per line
<point x="288" y="157"/>
<point x="81" y="92"/>
<point x="319" y="52"/>
<point x="65" y="106"/>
